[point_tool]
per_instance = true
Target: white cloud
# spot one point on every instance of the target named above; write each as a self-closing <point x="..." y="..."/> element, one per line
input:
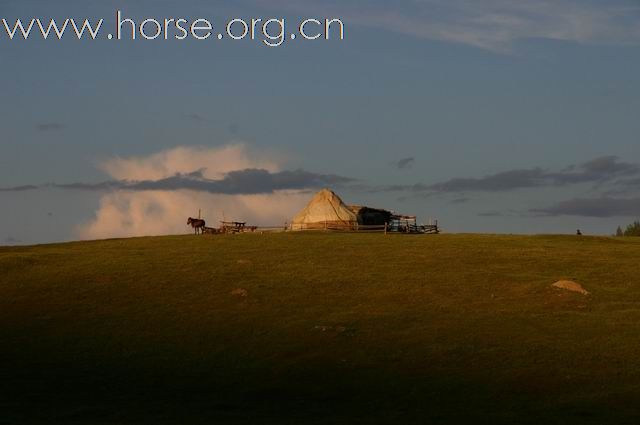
<point x="126" y="214"/>
<point x="215" y="163"/>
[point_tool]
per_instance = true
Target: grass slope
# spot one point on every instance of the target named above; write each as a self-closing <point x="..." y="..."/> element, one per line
<point x="334" y="328"/>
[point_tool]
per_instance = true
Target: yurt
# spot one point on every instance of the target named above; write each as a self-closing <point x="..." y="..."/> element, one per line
<point x="325" y="211"/>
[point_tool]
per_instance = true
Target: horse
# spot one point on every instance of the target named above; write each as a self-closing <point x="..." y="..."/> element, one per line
<point x="197" y="224"/>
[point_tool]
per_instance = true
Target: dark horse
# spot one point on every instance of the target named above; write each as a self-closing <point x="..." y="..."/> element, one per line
<point x="197" y="224"/>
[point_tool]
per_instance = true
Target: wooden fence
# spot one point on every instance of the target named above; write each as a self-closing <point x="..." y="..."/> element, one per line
<point x="360" y="228"/>
<point x="335" y="227"/>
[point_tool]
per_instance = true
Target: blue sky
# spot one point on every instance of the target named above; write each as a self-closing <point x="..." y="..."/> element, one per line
<point x="511" y="116"/>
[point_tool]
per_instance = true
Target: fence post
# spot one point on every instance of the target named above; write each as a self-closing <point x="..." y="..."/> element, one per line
<point x="385" y="227"/>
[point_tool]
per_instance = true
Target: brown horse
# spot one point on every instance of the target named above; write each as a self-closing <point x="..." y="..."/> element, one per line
<point x="197" y="224"/>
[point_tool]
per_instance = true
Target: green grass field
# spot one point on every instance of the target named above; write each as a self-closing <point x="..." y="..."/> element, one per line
<point x="321" y="328"/>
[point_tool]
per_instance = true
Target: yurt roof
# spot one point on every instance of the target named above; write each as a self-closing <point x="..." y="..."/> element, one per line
<point x="325" y="206"/>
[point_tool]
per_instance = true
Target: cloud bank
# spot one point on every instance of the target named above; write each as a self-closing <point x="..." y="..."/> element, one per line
<point x="154" y="194"/>
<point x="599" y="171"/>
<point x="249" y="181"/>
<point x="22" y="188"/>
<point x="221" y="171"/>
<point x="606" y="176"/>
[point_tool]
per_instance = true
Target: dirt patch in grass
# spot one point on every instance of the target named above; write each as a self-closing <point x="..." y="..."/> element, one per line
<point x="569" y="285"/>
<point x="240" y="292"/>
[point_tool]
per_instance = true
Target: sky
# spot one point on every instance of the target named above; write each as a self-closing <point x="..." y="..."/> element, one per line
<point x="491" y="116"/>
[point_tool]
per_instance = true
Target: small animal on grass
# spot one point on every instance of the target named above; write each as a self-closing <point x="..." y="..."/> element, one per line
<point x="197" y="224"/>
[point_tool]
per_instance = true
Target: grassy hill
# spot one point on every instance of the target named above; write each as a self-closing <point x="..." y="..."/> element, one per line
<point x="321" y="328"/>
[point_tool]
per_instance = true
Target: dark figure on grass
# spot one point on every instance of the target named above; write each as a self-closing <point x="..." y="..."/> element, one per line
<point x="197" y="224"/>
